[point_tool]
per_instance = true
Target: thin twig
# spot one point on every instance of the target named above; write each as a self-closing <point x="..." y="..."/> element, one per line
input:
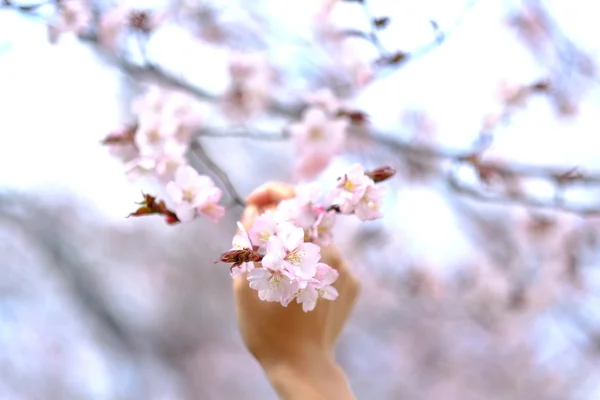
<point x="197" y="149"/>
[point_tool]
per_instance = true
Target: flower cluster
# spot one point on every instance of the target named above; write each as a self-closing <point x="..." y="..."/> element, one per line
<point x="195" y="194"/>
<point x="286" y="240"/>
<point x="251" y="86"/>
<point x="291" y="268"/>
<point x="320" y="135"/>
<point x="356" y="193"/>
<point x="165" y="121"/>
<point x="157" y="145"/>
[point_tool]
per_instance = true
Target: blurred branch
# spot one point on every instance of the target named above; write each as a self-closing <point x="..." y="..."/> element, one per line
<point x="244" y="134"/>
<point x="519" y="198"/>
<point x="197" y="150"/>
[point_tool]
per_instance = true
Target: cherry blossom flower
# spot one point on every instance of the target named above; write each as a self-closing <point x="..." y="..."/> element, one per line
<point x="288" y="250"/>
<point x="152" y="139"/>
<point x="324" y="99"/>
<point x="350" y="189"/>
<point x="309" y="165"/>
<point x="319" y="287"/>
<point x="301" y="209"/>
<point x="318" y="138"/>
<point x="369" y="206"/>
<point x="208" y="205"/>
<point x="263" y="228"/>
<point x="111" y="24"/>
<point x="121" y="18"/>
<point x="321" y="231"/>
<point x="73" y="17"/>
<point x="319" y="133"/>
<point x="250" y="88"/>
<point x="165" y="123"/>
<point x="190" y="191"/>
<point x="272" y="284"/>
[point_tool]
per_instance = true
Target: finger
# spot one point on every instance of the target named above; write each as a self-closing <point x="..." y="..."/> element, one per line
<point x="348" y="289"/>
<point x="249" y="215"/>
<point x="270" y="193"/>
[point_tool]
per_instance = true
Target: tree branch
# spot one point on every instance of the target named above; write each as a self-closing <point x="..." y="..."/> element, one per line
<point x="197" y="150"/>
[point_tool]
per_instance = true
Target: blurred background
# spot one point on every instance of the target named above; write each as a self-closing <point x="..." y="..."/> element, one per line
<point x="480" y="282"/>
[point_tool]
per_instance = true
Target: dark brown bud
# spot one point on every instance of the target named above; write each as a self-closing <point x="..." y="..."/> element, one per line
<point x="239" y="256"/>
<point x="356" y="117"/>
<point x="381" y="174"/>
<point x="123" y="137"/>
<point x="381" y="23"/>
<point x="150" y="206"/>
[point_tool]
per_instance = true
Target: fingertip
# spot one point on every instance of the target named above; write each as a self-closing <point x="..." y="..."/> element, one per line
<point x="270" y="193"/>
<point x="249" y="215"/>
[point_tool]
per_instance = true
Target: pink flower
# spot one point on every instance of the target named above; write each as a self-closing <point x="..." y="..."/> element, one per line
<point x="162" y="166"/>
<point x="111" y="25"/>
<point x="208" y="205"/>
<point x="114" y="22"/>
<point x="288" y="250"/>
<point x="308" y="166"/>
<point x="319" y="287"/>
<point x="190" y="191"/>
<point x="251" y="85"/>
<point x="152" y="140"/>
<point x="167" y="164"/>
<point x="321" y="231"/>
<point x="369" y="206"/>
<point x="350" y="189"/>
<point x="73" y="16"/>
<point x="263" y="228"/>
<point x="272" y="284"/>
<point x="326" y="100"/>
<point x="318" y="133"/>
<point x="166" y="121"/>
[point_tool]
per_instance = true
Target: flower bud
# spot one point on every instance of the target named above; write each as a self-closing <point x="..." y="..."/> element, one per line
<point x="381" y="174"/>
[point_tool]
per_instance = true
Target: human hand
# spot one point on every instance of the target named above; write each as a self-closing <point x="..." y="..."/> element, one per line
<point x="286" y="339"/>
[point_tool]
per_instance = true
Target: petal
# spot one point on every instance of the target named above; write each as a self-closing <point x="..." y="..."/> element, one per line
<point x="214" y="212"/>
<point x="329" y="293"/>
<point x="272" y="262"/>
<point x="258" y="279"/>
<point x="314" y="116"/>
<point x="312" y="253"/>
<point x="214" y="194"/>
<point x="184" y="212"/>
<point x="325" y="275"/>
<point x="185" y="176"/>
<point x="275" y="247"/>
<point x="292" y="237"/>
<point x="174" y="192"/>
<point x="204" y="182"/>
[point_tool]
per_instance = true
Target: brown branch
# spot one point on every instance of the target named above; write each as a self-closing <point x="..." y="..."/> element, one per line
<point x="197" y="150"/>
